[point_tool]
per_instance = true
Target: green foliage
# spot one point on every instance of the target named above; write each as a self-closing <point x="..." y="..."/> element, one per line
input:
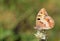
<point x="17" y="19"/>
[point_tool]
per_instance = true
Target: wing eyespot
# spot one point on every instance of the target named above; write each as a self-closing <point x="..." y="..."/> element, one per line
<point x="38" y="18"/>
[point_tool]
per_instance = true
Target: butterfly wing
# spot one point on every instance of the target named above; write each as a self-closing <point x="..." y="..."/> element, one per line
<point x="50" y="21"/>
<point x="43" y="21"/>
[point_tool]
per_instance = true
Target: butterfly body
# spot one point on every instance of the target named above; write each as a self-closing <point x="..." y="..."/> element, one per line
<point x="44" y="21"/>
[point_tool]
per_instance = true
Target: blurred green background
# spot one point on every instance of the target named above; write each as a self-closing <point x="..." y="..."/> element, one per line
<point x="17" y="19"/>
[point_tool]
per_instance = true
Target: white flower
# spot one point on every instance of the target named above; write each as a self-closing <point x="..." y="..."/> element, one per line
<point x="40" y="35"/>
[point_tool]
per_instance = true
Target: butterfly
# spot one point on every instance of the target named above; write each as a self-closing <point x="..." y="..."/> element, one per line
<point x="43" y="20"/>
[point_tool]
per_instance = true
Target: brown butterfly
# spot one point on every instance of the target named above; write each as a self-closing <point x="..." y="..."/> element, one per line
<point x="43" y="20"/>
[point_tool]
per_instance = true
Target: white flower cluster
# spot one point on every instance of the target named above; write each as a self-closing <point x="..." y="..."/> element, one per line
<point x="40" y="35"/>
